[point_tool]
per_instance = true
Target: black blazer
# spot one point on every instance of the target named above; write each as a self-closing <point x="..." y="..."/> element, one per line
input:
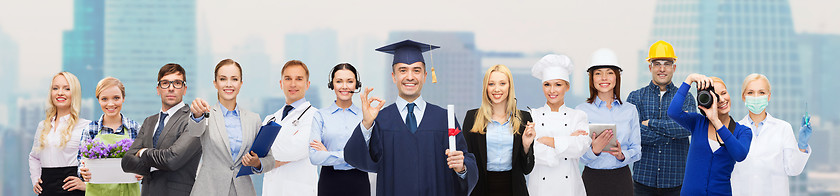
<point x="522" y="162"/>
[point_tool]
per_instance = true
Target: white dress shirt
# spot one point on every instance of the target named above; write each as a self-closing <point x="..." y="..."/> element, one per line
<point x="774" y="155"/>
<point x="53" y="154"/>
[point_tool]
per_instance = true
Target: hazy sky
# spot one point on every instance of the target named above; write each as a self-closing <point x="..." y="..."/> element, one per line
<point x="576" y="28"/>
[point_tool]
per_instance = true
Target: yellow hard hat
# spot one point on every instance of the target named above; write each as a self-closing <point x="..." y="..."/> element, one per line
<point x="661" y="49"/>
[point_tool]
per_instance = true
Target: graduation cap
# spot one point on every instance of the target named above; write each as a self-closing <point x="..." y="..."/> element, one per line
<point x="408" y="52"/>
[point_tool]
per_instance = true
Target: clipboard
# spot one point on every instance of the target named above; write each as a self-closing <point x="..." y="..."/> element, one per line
<point x="597" y="129"/>
<point x="262" y="144"/>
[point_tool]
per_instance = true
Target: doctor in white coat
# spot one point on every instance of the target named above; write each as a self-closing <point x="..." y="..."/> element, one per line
<point x="293" y="174"/>
<point x="562" y="133"/>
<point x="774" y="153"/>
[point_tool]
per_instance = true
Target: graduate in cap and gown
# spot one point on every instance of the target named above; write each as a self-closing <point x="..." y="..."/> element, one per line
<point x="406" y="143"/>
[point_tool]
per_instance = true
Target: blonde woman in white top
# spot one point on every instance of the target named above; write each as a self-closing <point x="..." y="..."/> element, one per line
<point x="774" y="154"/>
<point x="53" y="160"/>
<point x="562" y="133"/>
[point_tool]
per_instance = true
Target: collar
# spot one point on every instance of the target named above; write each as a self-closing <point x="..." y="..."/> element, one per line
<point x="226" y="112"/>
<point x="598" y="102"/>
<point x="334" y="108"/>
<point x="63" y="118"/>
<point x="297" y="103"/>
<point x="669" y="87"/>
<point x="497" y="122"/>
<point x="766" y="120"/>
<point x="174" y="108"/>
<point x="123" y="119"/>
<point x="561" y="108"/>
<point x="401" y="103"/>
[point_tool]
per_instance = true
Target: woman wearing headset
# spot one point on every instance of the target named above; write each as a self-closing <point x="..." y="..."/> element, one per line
<point x="328" y="139"/>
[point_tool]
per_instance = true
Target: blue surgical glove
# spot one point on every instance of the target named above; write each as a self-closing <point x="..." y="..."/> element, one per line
<point x="804" y="133"/>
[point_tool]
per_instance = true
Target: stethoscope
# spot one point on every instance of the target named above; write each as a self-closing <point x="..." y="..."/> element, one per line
<point x="297" y="121"/>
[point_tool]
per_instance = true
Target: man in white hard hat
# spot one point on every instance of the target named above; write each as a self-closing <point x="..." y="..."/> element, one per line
<point x="664" y="142"/>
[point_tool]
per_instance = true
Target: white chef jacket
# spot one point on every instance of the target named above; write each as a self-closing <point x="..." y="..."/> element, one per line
<point x="773" y="156"/>
<point x="556" y="170"/>
<point x="299" y="177"/>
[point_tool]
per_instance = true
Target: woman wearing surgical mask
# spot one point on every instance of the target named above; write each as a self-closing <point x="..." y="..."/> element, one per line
<point x="774" y="153"/>
<point x="717" y="142"/>
<point x="331" y="128"/>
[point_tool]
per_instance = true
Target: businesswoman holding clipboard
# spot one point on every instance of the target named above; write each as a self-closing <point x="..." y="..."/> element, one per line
<point x="226" y="136"/>
<point x="496" y="133"/>
<point x="607" y="171"/>
<point x="331" y="128"/>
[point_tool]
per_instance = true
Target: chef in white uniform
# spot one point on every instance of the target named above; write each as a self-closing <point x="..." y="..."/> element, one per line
<point x="562" y="133"/>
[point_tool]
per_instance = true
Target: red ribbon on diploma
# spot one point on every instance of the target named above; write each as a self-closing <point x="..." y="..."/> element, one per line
<point x="454" y="132"/>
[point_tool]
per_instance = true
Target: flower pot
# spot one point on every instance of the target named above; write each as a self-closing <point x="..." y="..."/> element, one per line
<point x="108" y="171"/>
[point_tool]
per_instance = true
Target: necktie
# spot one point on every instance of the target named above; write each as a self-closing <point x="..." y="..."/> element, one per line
<point x="159" y="128"/>
<point x="286" y="111"/>
<point x="410" y="120"/>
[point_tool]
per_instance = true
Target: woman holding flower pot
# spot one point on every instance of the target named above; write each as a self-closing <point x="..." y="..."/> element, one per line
<point x="111" y="129"/>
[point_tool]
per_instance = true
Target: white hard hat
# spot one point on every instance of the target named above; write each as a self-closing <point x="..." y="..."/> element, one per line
<point x="602" y="58"/>
<point x="553" y="66"/>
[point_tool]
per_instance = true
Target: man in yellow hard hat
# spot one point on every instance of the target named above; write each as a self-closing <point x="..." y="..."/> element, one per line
<point x="664" y="142"/>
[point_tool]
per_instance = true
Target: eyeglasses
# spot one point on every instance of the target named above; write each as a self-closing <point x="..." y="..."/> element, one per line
<point x="164" y="84"/>
<point x="661" y="63"/>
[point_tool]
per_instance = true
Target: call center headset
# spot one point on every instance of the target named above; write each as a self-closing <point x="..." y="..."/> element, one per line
<point x="345" y="66"/>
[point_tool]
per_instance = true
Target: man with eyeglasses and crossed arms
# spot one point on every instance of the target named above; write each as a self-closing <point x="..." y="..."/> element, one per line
<point x="163" y="152"/>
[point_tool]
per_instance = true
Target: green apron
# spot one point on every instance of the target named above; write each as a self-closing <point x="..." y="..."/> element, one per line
<point x="121" y="189"/>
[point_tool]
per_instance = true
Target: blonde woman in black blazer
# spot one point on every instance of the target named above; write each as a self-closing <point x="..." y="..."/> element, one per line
<point x="496" y="119"/>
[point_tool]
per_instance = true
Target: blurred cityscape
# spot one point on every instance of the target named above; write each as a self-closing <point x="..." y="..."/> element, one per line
<point x="130" y="40"/>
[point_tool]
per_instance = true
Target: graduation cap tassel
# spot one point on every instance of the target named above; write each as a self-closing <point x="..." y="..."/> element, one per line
<point x="432" y="57"/>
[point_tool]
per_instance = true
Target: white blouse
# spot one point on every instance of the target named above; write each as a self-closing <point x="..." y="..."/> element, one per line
<point x="53" y="154"/>
<point x="773" y="157"/>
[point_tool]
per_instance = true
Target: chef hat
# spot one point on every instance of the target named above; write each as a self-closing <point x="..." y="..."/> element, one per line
<point x="553" y="66"/>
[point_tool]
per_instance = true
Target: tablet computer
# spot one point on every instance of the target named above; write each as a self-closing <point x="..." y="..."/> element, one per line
<point x="597" y="129"/>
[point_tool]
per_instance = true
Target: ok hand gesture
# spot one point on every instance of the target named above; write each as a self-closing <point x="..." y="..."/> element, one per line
<point x="369" y="112"/>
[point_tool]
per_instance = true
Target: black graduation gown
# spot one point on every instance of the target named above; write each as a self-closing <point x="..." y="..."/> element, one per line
<point x="408" y="163"/>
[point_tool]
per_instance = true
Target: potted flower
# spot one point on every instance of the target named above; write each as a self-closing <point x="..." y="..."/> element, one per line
<point x="103" y="160"/>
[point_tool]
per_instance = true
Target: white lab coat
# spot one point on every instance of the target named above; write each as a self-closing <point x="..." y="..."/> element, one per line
<point x="556" y="170"/>
<point x="299" y="177"/>
<point x="773" y="157"/>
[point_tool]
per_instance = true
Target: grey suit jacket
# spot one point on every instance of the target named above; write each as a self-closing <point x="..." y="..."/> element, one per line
<point x="176" y="156"/>
<point x="217" y="173"/>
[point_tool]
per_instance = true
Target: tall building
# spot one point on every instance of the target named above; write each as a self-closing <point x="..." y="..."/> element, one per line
<point x="817" y="60"/>
<point x="318" y="49"/>
<point x="9" y="55"/>
<point x="83" y="46"/>
<point x="142" y="36"/>
<point x="458" y="66"/>
<point x="730" y="40"/>
<point x="256" y="75"/>
<point x="360" y="52"/>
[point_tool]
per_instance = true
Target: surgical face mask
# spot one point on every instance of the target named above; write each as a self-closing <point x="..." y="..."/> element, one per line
<point x="756" y="104"/>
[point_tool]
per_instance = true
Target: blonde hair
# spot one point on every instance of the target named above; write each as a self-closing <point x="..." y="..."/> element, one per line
<point x="484" y="113"/>
<point x="754" y="77"/>
<point x="51" y="111"/>
<point x="109" y="82"/>
<point x="718" y="80"/>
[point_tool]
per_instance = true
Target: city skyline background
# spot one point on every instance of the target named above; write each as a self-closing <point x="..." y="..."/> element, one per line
<point x="792" y="42"/>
